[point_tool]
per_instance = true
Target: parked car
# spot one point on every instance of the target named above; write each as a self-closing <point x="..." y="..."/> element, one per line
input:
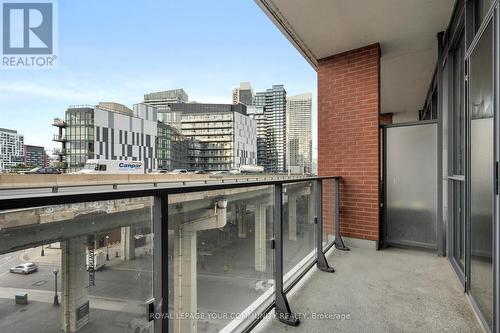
<point x="222" y="172"/>
<point x="200" y="172"/>
<point x="47" y="170"/>
<point x="25" y="268"/>
<point x="262" y="285"/>
<point x="178" y="172"/>
<point x="159" y="172"/>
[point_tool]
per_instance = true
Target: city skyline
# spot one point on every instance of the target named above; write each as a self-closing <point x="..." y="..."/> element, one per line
<point x="178" y="95"/>
<point x="90" y="72"/>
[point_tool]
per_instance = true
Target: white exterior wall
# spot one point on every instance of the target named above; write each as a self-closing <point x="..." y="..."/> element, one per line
<point x="245" y="140"/>
<point x="127" y="135"/>
<point x="11" y="148"/>
<point x="299" y="138"/>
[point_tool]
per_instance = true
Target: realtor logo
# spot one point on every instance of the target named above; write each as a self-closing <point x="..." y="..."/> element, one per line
<point x="28" y="32"/>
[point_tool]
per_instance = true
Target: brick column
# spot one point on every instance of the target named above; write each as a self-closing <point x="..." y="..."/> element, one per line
<point x="348" y="138"/>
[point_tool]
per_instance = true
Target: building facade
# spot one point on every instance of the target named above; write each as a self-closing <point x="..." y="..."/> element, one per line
<point x="11" y="148"/>
<point x="243" y="94"/>
<point x="162" y="99"/>
<point x="108" y="131"/>
<point x="223" y="136"/>
<point x="298" y="131"/>
<point x="257" y="113"/>
<point x="35" y="156"/>
<point x="172" y="148"/>
<point x="274" y="102"/>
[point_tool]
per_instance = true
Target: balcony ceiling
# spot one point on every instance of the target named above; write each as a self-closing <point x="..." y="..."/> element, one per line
<point x="405" y="29"/>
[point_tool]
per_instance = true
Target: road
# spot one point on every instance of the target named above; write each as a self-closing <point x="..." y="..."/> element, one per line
<point x="226" y="282"/>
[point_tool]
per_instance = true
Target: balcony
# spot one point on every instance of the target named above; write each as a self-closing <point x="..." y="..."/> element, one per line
<point x="60" y="151"/>
<point x="389" y="240"/>
<point x="232" y="237"/>
<point x="236" y="250"/>
<point x="59" y="138"/>
<point x="396" y="77"/>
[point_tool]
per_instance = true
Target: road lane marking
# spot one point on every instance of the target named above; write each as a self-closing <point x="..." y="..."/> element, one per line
<point x="130" y="269"/>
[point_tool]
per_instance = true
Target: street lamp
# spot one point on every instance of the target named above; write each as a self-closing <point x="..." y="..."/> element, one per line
<point x="56" y="298"/>
<point x="107" y="247"/>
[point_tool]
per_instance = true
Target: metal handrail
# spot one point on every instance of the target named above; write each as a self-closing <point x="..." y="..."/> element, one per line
<point x="161" y="221"/>
<point x="149" y="189"/>
<point x="154" y="183"/>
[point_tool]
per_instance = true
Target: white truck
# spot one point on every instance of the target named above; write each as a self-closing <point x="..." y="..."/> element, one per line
<point x="99" y="260"/>
<point x="101" y="166"/>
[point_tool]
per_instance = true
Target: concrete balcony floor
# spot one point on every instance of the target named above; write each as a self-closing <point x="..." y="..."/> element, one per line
<point x="393" y="290"/>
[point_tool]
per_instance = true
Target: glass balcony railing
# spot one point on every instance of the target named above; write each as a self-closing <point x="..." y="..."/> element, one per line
<point x="154" y="257"/>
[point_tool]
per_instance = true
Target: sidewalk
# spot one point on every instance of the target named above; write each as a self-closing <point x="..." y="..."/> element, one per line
<point x="96" y="302"/>
<point x="53" y="255"/>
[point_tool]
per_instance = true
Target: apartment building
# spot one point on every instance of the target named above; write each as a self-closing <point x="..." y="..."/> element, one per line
<point x="35" y="156"/>
<point x="162" y="99"/>
<point x="298" y="132"/>
<point x="11" y="148"/>
<point x="172" y="148"/>
<point x="223" y="136"/>
<point x="257" y="113"/>
<point x="243" y="94"/>
<point x="274" y="102"/>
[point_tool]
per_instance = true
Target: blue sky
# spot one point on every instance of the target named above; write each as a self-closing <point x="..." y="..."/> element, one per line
<point x="117" y="50"/>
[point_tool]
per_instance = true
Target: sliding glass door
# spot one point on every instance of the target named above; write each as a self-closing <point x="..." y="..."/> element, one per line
<point x="481" y="172"/>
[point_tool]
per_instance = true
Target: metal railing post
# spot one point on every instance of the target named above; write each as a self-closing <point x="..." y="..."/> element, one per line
<point x="158" y="308"/>
<point x="321" y="261"/>
<point x="282" y="308"/>
<point x="338" y="242"/>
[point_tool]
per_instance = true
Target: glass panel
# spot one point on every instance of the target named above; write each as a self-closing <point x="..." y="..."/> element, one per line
<point x="328" y="212"/>
<point x="299" y="230"/>
<point x="99" y="252"/>
<point x="481" y="177"/>
<point x="221" y="256"/>
<point x="458" y="221"/>
<point x="412" y="185"/>
<point x="458" y="108"/>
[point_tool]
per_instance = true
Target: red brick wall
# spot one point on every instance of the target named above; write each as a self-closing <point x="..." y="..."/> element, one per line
<point x="348" y="137"/>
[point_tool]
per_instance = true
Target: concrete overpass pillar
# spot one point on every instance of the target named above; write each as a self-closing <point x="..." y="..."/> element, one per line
<point x="185" y="262"/>
<point x="127" y="243"/>
<point x="292" y="217"/>
<point x="185" y="293"/>
<point x="260" y="237"/>
<point x="74" y="277"/>
<point x="242" y="222"/>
